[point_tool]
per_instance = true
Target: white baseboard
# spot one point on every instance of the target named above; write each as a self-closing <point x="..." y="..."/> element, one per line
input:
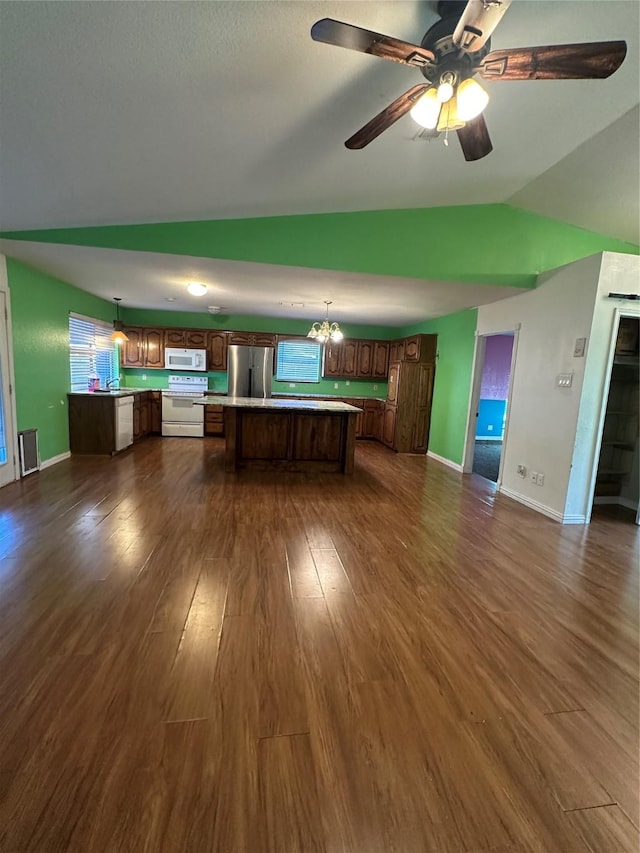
<point x="444" y="461"/>
<point x="489" y="438"/>
<point x="541" y="508"/>
<point x="55" y="459"/>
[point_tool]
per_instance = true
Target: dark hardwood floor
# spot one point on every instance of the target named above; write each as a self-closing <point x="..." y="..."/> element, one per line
<point x="399" y="660"/>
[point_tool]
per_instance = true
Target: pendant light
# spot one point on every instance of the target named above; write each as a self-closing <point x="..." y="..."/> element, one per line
<point x="118" y="336"/>
<point x="325" y="331"/>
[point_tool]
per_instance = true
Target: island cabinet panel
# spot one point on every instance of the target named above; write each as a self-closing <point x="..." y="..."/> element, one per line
<point x="317" y="437"/>
<point x="213" y="420"/>
<point x="153" y="347"/>
<point x="217" y="349"/>
<point x="132" y="351"/>
<point x="92" y="424"/>
<point x="264" y="435"/>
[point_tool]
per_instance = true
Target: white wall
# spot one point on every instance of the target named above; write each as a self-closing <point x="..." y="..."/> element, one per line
<point x="618" y="274"/>
<point x="543" y="417"/>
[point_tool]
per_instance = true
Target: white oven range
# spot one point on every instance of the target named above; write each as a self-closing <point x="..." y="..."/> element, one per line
<point x="179" y="415"/>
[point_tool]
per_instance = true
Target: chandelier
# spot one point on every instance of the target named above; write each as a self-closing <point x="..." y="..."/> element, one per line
<point x="325" y="331"/>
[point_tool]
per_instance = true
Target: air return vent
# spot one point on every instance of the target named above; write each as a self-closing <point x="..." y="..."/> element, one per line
<point x="29" y="454"/>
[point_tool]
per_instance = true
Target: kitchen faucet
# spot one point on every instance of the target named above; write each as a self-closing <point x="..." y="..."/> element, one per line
<point x="111" y="381"/>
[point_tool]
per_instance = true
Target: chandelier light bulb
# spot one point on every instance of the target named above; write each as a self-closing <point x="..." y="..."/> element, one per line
<point x="445" y="92"/>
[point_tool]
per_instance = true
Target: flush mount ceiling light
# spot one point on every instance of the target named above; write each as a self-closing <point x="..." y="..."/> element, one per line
<point x="118" y="336"/>
<point x="325" y="331"/>
<point x="197" y="289"/>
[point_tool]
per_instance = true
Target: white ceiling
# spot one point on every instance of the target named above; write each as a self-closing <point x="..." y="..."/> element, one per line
<point x="114" y="113"/>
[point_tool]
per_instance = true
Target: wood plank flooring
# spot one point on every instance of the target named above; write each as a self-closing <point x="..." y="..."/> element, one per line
<point x="400" y="661"/>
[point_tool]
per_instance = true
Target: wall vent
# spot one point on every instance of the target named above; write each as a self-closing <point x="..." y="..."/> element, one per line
<point x="29" y="453"/>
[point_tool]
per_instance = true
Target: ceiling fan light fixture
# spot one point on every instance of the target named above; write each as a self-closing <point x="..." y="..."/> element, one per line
<point x="426" y="110"/>
<point x="197" y="289"/>
<point x="471" y="99"/>
<point x="449" y="118"/>
<point x="445" y="89"/>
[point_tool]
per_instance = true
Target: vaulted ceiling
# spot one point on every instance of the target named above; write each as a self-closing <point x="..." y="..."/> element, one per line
<point x="122" y="113"/>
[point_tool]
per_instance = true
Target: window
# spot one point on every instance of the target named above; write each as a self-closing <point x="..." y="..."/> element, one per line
<point x="91" y="351"/>
<point x="299" y="361"/>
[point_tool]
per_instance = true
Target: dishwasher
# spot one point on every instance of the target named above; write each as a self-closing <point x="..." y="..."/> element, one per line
<point x="124" y="422"/>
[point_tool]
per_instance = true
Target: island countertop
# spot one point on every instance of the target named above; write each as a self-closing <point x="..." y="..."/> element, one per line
<point x="270" y="404"/>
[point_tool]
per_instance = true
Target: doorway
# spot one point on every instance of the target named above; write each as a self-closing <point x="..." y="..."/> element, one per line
<point x="494" y="362"/>
<point x="617" y="476"/>
<point x="8" y="471"/>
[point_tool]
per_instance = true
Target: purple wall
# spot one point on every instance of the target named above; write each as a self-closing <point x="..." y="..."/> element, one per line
<point x="497" y="364"/>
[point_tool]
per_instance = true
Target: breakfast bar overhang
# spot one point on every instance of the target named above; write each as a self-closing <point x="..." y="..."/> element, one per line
<point x="291" y="435"/>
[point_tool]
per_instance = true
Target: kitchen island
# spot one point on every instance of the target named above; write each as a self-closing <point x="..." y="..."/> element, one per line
<point x="291" y="435"/>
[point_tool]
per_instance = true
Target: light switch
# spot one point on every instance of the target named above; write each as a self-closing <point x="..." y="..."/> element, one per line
<point x="564" y="380"/>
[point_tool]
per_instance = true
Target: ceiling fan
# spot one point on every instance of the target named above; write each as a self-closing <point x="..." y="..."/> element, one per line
<point x="452" y="52"/>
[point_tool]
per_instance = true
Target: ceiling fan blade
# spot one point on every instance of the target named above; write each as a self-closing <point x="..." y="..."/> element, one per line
<point x="474" y="139"/>
<point x="334" y="32"/>
<point x="386" y="118"/>
<point x="477" y="22"/>
<point x="592" y="60"/>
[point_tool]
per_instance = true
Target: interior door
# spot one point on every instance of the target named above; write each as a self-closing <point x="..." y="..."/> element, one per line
<point x="8" y="471"/>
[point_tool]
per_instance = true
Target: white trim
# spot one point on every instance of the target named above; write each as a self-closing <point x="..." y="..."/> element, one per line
<point x="444" y="461"/>
<point x="11" y="427"/>
<point x="489" y="438"/>
<point x="541" y="508"/>
<point x="55" y="459"/>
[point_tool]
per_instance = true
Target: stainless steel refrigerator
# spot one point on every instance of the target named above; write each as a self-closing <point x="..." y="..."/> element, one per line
<point x="250" y="370"/>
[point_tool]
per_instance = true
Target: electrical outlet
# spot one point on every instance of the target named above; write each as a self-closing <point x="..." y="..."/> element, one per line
<point x="347" y="382"/>
<point x="490" y="427"/>
<point x="521" y="471"/>
<point x="375" y="387"/>
<point x="144" y="376"/>
<point x="534" y="477"/>
<point x="541" y="479"/>
<point x="335" y="384"/>
<point x="292" y="385"/>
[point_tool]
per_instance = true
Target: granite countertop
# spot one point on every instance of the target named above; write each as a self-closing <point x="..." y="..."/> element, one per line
<point x="116" y="392"/>
<point x="272" y="404"/>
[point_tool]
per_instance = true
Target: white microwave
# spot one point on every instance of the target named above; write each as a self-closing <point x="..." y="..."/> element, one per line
<point x="185" y="359"/>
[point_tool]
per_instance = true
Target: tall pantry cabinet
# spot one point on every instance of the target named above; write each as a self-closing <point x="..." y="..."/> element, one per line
<point x="407" y="412"/>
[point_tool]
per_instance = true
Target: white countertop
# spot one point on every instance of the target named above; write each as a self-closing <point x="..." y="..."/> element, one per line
<point x="271" y="404"/>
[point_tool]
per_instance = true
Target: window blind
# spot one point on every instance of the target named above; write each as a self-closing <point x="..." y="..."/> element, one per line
<point x="299" y="361"/>
<point x="91" y="351"/>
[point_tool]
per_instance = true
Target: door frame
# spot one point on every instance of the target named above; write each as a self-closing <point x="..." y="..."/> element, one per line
<point x="474" y="399"/>
<point x="11" y="418"/>
<point x="618" y="313"/>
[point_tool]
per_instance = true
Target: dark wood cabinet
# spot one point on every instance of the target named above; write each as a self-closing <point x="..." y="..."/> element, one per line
<point x="175" y="338"/>
<point x="380" y="360"/>
<point x="153" y="347"/>
<point x="389" y="426"/>
<point x="132" y="351"/>
<point x="365" y="359"/>
<point x="420" y="348"/>
<point x="350" y="358"/>
<point x="217" y="343"/>
<point x="392" y="386"/>
<point x="155" y="411"/>
<point x="195" y="338"/>
<point x="372" y="419"/>
<point x="141" y="414"/>
<point x="252" y="339"/>
<point x="213" y="420"/>
<point x="409" y="394"/>
<point x="396" y="350"/>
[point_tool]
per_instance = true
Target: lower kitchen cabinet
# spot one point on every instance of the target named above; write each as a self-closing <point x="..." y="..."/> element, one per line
<point x="155" y="411"/>
<point x="389" y="426"/>
<point x="372" y="419"/>
<point x="213" y="420"/>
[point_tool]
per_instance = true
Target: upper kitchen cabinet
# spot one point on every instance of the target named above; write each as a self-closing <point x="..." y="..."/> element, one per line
<point x="132" y="351"/>
<point x="153" y="347"/>
<point x="252" y="339"/>
<point x="356" y="359"/>
<point x="175" y="338"/>
<point x="217" y="343"/>
<point x="420" y="348"/>
<point x="195" y="338"/>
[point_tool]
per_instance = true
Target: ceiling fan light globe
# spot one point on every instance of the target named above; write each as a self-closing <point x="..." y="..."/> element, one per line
<point x="471" y="99"/>
<point x="444" y="92"/>
<point x="426" y="110"/>
<point x="449" y="118"/>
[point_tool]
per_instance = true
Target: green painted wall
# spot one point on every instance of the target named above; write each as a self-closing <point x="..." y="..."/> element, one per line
<point x="40" y="306"/>
<point x="492" y="244"/>
<point x="452" y="387"/>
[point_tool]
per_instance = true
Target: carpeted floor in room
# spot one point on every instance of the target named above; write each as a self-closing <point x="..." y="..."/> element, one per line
<point x="486" y="459"/>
